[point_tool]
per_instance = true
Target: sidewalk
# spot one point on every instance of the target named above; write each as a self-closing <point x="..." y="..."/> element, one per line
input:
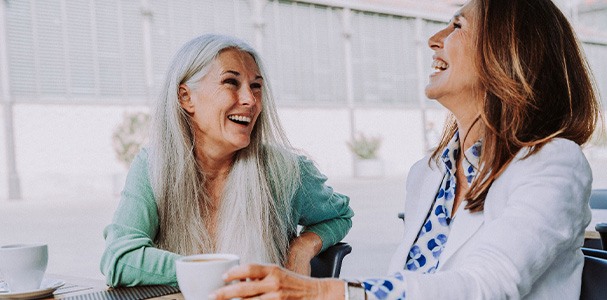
<point x="73" y="225"/>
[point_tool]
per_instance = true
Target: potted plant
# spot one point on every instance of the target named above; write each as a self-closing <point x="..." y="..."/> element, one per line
<point x="127" y="139"/>
<point x="367" y="163"/>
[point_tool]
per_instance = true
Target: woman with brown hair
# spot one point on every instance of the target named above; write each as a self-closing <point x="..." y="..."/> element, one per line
<point x="499" y="209"/>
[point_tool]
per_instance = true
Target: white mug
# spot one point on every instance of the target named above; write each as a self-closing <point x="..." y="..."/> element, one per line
<point x="200" y="275"/>
<point x="22" y="266"/>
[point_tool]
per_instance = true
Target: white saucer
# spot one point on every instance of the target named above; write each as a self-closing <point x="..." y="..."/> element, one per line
<point x="47" y="288"/>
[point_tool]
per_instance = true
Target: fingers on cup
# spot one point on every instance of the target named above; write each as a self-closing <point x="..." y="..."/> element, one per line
<point x="249" y="271"/>
<point x="245" y="290"/>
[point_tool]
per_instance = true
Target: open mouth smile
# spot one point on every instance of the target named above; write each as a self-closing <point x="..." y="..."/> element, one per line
<point x="439" y="65"/>
<point x="239" y="119"/>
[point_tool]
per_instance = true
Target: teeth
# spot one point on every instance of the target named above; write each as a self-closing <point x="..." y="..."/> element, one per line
<point x="240" y="118"/>
<point x="439" y="65"/>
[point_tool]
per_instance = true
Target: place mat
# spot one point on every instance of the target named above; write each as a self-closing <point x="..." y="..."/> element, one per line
<point x="71" y="288"/>
<point x="130" y="293"/>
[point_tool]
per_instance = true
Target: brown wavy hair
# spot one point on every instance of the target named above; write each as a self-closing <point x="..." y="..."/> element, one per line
<point x="538" y="86"/>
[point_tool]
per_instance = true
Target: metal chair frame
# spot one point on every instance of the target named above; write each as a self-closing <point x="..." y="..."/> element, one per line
<point x="328" y="263"/>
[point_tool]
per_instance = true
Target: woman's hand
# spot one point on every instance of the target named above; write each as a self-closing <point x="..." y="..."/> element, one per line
<point x="273" y="282"/>
<point x="301" y="251"/>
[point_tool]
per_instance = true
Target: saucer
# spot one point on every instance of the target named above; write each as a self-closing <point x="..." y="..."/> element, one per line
<point x="47" y="287"/>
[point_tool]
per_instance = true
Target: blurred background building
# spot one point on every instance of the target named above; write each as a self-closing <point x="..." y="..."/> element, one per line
<point x="70" y="70"/>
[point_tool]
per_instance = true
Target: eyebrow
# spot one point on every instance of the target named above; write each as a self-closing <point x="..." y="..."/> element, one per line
<point x="238" y="74"/>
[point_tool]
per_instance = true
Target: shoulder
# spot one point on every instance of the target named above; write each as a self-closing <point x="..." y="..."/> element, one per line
<point x="308" y="169"/>
<point x="560" y="165"/>
<point x="139" y="173"/>
<point x="140" y="162"/>
<point x="557" y="151"/>
<point x="291" y="156"/>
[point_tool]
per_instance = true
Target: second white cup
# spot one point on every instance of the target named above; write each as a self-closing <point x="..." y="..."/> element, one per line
<point x="22" y="266"/>
<point x="199" y="275"/>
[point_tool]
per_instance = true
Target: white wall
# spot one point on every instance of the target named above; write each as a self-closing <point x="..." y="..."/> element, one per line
<point x="323" y="133"/>
<point x="66" y="150"/>
<point x="3" y="163"/>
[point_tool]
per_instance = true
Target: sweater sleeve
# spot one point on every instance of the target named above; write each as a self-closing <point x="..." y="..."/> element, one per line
<point x="319" y="209"/>
<point x="130" y="257"/>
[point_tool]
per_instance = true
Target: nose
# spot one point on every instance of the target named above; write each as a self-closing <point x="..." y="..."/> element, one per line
<point x="435" y="42"/>
<point x="246" y="96"/>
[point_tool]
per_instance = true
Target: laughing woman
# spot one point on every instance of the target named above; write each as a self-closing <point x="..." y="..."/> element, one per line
<point x="219" y="176"/>
<point x="499" y="210"/>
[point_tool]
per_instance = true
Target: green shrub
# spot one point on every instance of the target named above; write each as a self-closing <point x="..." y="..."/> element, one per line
<point x="365" y="147"/>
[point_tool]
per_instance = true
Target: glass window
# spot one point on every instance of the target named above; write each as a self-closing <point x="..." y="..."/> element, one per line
<point x="303" y="50"/>
<point x="384" y="65"/>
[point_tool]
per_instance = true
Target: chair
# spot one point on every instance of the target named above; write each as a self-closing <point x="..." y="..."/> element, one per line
<point x="593" y="243"/>
<point x="328" y="262"/>
<point x="594" y="252"/>
<point x="602" y="230"/>
<point x="598" y="199"/>
<point x="594" y="275"/>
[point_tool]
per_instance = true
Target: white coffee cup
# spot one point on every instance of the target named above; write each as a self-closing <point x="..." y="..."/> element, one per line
<point x="200" y="275"/>
<point x="22" y="266"/>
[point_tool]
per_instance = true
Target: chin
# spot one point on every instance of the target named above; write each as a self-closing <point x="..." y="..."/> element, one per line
<point x="241" y="145"/>
<point x="430" y="94"/>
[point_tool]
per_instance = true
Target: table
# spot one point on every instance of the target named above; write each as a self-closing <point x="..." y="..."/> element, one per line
<point x="75" y="286"/>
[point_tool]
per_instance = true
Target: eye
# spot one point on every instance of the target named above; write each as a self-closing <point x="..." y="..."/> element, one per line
<point x="256" y="86"/>
<point x="457" y="25"/>
<point x="231" y="81"/>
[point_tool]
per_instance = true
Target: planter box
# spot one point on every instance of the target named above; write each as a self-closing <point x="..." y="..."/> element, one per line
<point x="369" y="168"/>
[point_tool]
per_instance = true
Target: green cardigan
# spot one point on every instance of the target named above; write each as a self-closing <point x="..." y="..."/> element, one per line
<point x="131" y="258"/>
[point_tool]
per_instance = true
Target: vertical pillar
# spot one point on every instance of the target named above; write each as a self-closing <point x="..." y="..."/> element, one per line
<point x="420" y="43"/>
<point x="14" y="186"/>
<point x="347" y="43"/>
<point x="146" y="12"/>
<point x="346" y="26"/>
<point x="574" y="11"/>
<point x="258" y="23"/>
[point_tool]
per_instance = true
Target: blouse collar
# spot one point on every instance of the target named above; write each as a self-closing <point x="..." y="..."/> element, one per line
<point x="472" y="157"/>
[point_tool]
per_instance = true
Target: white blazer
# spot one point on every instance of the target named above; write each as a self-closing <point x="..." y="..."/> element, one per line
<point x="524" y="245"/>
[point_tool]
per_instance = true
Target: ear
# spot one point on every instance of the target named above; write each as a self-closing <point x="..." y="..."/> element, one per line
<point x="184" y="98"/>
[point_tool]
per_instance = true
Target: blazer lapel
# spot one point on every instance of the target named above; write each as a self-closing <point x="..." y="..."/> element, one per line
<point x="419" y="203"/>
<point x="464" y="226"/>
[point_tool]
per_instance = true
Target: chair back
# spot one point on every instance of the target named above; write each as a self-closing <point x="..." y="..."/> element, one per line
<point x="598" y="199"/>
<point x="602" y="230"/>
<point x="595" y="252"/>
<point x="594" y="275"/>
<point x="328" y="262"/>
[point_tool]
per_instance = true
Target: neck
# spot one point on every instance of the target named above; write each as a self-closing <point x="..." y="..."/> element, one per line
<point x="215" y="166"/>
<point x="467" y="113"/>
<point x="469" y="131"/>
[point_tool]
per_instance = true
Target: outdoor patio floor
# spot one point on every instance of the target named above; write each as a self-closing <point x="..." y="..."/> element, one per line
<point x="72" y="225"/>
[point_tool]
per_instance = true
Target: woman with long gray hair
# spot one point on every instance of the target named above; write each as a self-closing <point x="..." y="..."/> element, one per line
<point x="219" y="175"/>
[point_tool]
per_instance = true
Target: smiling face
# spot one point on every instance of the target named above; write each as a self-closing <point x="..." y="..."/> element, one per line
<point x="455" y="77"/>
<point x="225" y="103"/>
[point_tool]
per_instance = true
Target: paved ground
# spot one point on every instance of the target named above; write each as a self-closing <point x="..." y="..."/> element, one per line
<point x="70" y="213"/>
<point x="72" y="224"/>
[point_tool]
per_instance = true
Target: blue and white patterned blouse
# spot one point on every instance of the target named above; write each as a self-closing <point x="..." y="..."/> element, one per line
<point x="424" y="255"/>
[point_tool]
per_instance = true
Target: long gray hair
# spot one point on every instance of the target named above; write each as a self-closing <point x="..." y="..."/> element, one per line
<point x="255" y="212"/>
